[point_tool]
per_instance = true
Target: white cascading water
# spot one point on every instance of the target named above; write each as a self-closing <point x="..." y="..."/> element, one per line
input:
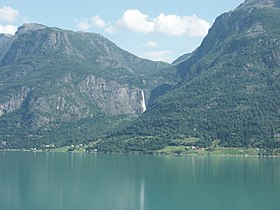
<point x="143" y="104"/>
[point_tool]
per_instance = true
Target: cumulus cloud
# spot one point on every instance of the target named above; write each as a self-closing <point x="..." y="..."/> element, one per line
<point x="95" y="22"/>
<point x="8" y="29"/>
<point x="172" y="25"/>
<point x="98" y="22"/>
<point x="163" y="55"/>
<point x="175" y="25"/>
<point x="8" y="14"/>
<point x="151" y="44"/>
<point x="136" y="21"/>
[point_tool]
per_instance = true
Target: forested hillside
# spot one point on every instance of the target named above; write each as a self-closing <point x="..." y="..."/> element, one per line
<point x="230" y="88"/>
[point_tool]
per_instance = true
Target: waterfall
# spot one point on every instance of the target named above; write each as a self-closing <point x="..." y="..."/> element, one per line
<point x="143" y="105"/>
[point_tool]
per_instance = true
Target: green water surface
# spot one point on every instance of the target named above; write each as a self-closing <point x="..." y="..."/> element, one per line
<point x="68" y="181"/>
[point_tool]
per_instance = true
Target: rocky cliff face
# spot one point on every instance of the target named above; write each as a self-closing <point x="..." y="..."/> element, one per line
<point x="75" y="102"/>
<point x="14" y="101"/>
<point x="112" y="97"/>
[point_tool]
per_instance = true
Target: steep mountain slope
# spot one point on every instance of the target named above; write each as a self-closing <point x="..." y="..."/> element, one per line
<point x="230" y="88"/>
<point x="5" y="42"/>
<point x="59" y="86"/>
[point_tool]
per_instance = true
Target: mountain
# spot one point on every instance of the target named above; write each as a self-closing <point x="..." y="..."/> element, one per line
<point x="229" y="90"/>
<point x="62" y="87"/>
<point x="182" y="58"/>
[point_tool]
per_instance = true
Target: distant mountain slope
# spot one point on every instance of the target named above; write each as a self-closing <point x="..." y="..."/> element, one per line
<point x="230" y="88"/>
<point x="61" y="86"/>
<point x="182" y="58"/>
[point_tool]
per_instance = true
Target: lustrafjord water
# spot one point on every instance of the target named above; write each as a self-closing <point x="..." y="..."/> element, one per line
<point x="67" y="181"/>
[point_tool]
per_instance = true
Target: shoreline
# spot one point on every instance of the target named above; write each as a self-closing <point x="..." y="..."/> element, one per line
<point x="155" y="153"/>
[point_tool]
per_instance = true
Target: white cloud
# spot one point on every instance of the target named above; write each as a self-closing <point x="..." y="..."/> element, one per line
<point x="175" y="25"/>
<point x="8" y="14"/>
<point x="98" y="22"/>
<point x="8" y="29"/>
<point x="84" y="25"/>
<point x="136" y="21"/>
<point x="151" y="44"/>
<point x="163" y="55"/>
<point x="172" y="25"/>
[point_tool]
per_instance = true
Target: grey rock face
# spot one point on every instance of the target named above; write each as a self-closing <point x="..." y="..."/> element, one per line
<point x="65" y="106"/>
<point x="112" y="97"/>
<point x="75" y="102"/>
<point x="14" y="102"/>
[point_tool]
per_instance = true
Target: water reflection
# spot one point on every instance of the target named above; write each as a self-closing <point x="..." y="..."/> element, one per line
<point x="142" y="195"/>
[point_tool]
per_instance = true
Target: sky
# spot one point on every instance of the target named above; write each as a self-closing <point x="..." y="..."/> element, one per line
<point x="153" y="29"/>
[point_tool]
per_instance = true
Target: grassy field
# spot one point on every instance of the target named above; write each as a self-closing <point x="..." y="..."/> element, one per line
<point x="76" y="148"/>
<point x="213" y="150"/>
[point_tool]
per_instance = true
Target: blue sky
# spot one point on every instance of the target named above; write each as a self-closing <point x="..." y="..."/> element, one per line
<point x="154" y="29"/>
